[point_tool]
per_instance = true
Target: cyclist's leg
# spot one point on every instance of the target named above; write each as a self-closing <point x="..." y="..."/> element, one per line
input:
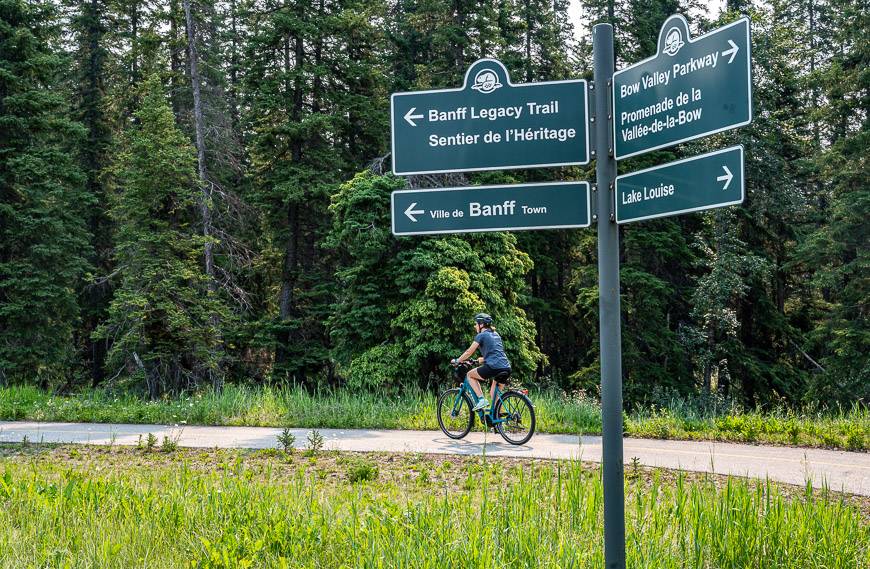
<point x="474" y="380"/>
<point x="492" y="390"/>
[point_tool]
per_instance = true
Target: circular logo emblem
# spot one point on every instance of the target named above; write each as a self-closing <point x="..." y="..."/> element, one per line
<point x="486" y="81"/>
<point x="673" y="41"/>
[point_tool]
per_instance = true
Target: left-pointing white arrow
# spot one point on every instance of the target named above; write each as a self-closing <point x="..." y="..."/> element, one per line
<point x="409" y="116"/>
<point x="726" y="178"/>
<point x="732" y="52"/>
<point x="411" y="212"/>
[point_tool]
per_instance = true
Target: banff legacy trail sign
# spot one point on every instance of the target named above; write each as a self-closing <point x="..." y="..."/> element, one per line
<point x="691" y="88"/>
<point x="489" y="124"/>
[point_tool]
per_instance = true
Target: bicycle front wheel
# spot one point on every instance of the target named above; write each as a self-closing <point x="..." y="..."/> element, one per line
<point x="519" y="418"/>
<point x="454" y="413"/>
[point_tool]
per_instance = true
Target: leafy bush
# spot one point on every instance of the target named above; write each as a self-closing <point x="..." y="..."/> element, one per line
<point x="362" y="471"/>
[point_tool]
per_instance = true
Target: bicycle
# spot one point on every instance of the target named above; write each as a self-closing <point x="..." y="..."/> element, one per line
<point x="511" y="414"/>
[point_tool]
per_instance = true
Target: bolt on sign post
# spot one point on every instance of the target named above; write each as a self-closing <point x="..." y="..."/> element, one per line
<point x="691" y="88"/>
<point x="514" y="207"/>
<point x="489" y="124"/>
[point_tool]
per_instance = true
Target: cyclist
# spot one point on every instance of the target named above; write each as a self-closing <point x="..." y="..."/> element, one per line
<point x="494" y="359"/>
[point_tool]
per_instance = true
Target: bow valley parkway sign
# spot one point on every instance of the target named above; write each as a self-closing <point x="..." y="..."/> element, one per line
<point x="691" y="88"/>
<point x="490" y="124"/>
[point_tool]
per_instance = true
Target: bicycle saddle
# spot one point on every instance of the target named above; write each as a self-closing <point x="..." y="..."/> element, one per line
<point x="502" y="377"/>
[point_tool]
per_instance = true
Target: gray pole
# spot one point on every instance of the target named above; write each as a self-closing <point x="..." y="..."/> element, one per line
<point x="609" y="316"/>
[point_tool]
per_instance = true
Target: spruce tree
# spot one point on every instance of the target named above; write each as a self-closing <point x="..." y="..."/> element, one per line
<point x="43" y="199"/>
<point x="838" y="251"/>
<point x="89" y="26"/>
<point x="160" y="318"/>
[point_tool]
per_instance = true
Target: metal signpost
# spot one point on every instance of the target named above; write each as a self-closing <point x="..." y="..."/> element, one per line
<point x="610" y="333"/>
<point x="691" y="88"/>
<point x="694" y="184"/>
<point x="514" y="207"/>
<point x="489" y="124"/>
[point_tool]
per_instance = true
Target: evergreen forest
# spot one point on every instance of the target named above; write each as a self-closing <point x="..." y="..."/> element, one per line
<point x="196" y="193"/>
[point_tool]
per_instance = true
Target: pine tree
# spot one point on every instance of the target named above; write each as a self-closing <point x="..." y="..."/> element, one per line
<point x="43" y="199"/>
<point x="160" y="318"/>
<point x="89" y="25"/>
<point x="837" y="251"/>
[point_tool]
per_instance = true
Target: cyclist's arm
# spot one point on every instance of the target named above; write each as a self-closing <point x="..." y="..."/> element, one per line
<point x="469" y="352"/>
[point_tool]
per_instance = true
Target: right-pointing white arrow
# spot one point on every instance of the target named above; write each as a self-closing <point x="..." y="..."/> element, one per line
<point x="733" y="51"/>
<point x="409" y="116"/>
<point x="411" y="212"/>
<point x="726" y="178"/>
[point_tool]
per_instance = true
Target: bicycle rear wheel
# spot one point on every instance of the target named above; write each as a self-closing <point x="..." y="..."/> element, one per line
<point x="519" y="425"/>
<point x="454" y="417"/>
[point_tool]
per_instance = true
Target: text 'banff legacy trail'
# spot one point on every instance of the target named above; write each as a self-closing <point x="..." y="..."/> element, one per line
<point x="490" y="124"/>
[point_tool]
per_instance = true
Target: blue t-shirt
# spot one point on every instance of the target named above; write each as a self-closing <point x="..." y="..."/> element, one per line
<point x="492" y="349"/>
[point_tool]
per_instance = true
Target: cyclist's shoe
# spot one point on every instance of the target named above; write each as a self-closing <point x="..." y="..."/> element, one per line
<point x="482" y="403"/>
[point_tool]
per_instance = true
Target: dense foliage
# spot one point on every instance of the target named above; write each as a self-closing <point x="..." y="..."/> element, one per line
<point x="193" y="193"/>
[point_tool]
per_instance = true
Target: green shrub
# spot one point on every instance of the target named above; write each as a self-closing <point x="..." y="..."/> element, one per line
<point x="169" y="444"/>
<point x="856" y="438"/>
<point x="362" y="471"/>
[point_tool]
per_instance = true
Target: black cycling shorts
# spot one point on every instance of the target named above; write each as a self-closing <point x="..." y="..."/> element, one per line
<point x="487" y="372"/>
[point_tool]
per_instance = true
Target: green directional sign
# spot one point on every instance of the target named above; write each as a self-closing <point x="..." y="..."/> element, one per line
<point x="514" y="207"/>
<point x="689" y="89"/>
<point x="702" y="182"/>
<point x="489" y="124"/>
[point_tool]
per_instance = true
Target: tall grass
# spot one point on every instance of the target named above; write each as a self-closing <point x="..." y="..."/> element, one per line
<point x="549" y="516"/>
<point x="414" y="409"/>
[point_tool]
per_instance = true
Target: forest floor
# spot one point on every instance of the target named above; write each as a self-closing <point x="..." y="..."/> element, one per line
<point x="163" y="506"/>
<point x="415" y="410"/>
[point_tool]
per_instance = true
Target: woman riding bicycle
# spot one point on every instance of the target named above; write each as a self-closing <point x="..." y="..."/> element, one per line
<point x="494" y="359"/>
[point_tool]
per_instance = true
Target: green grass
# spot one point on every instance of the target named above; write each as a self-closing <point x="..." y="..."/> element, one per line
<point x="294" y="407"/>
<point x="127" y="508"/>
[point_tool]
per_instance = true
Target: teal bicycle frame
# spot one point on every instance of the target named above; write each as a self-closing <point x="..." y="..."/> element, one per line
<point x="486" y="417"/>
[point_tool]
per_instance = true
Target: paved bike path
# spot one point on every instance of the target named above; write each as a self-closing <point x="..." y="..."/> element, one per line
<point x="841" y="470"/>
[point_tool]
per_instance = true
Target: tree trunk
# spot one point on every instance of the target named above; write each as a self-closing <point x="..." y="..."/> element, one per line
<point x="528" y="41"/>
<point x="174" y="59"/>
<point x="234" y="68"/>
<point x="708" y="365"/>
<point x="134" y="33"/>
<point x="205" y="204"/>
<point x="459" y="46"/>
<point x="289" y="272"/>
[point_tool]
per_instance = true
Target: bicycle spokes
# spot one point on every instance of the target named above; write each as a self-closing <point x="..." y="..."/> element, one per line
<point x="516" y="418"/>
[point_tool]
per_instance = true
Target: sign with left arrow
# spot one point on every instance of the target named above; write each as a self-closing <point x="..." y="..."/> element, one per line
<point x="471" y="209"/>
<point x="694" y="184"/>
<point x="489" y="124"/>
